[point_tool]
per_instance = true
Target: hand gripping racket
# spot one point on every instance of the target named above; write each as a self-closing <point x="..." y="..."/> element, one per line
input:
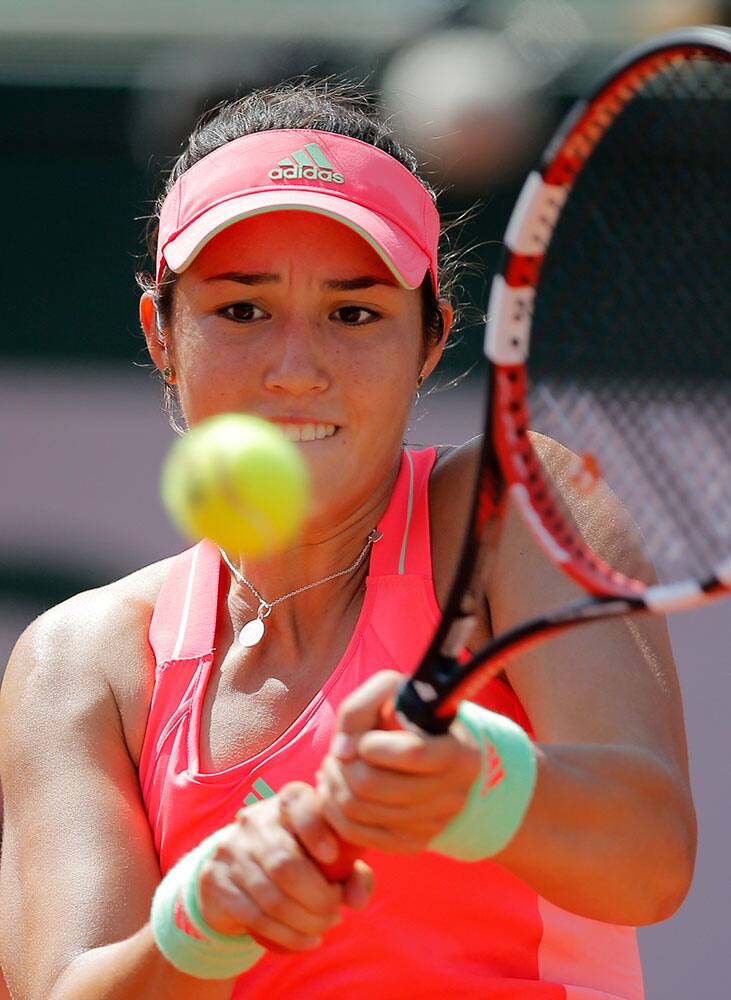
<point x="609" y="330"/>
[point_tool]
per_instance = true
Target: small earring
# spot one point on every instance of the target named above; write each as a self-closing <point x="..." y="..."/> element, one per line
<point x="168" y="374"/>
<point x="419" y="381"/>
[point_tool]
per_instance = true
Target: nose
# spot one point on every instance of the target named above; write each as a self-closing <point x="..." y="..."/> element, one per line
<point x="295" y="365"/>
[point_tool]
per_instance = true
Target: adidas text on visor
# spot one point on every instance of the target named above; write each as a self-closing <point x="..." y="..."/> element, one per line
<point x="333" y="175"/>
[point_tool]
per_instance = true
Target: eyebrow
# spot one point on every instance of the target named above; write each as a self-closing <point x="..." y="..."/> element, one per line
<point x="336" y="285"/>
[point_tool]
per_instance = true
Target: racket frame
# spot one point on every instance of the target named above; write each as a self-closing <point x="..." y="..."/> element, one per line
<point x="508" y="464"/>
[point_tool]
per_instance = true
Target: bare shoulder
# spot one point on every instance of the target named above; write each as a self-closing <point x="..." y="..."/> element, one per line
<point x="73" y="709"/>
<point x="90" y="647"/>
<point x="603" y="521"/>
<point x="607" y="682"/>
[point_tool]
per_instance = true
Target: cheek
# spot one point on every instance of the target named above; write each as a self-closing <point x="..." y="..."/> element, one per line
<point x="381" y="398"/>
<point x="208" y="384"/>
<point x="380" y="404"/>
<point x="388" y="368"/>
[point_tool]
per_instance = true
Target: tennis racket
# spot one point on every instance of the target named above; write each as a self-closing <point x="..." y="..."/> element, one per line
<point x="609" y="330"/>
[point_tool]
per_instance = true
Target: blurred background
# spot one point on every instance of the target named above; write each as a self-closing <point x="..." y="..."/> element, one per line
<point x="95" y="99"/>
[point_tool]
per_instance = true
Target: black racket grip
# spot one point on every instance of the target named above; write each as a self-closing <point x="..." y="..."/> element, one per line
<point x="420" y="712"/>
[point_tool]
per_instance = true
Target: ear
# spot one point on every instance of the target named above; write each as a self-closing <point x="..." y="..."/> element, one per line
<point x="434" y="352"/>
<point x="150" y="321"/>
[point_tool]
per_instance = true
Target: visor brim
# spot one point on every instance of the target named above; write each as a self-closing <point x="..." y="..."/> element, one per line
<point x="407" y="261"/>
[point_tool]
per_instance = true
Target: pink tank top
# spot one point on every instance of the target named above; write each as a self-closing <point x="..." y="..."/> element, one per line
<point x="435" y="928"/>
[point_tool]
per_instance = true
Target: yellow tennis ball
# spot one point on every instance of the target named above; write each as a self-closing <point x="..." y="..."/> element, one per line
<point x="237" y="480"/>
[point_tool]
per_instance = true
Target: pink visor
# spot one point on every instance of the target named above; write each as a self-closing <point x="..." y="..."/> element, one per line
<point x="334" y="175"/>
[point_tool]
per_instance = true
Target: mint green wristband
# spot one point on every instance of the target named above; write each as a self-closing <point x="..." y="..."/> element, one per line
<point x="499" y="798"/>
<point x="203" y="953"/>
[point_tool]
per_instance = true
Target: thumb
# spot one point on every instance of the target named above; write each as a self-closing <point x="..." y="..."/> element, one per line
<point x="361" y="711"/>
<point x="358" y="886"/>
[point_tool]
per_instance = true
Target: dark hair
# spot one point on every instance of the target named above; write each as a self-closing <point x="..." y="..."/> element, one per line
<point x="306" y="103"/>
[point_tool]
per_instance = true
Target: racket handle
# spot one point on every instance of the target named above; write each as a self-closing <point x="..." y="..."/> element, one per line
<point x="339" y="869"/>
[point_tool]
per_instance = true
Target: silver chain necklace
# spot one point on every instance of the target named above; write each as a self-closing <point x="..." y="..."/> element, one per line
<point x="253" y="631"/>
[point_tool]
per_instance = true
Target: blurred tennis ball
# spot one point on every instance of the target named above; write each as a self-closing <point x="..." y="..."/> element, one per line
<point x="237" y="480"/>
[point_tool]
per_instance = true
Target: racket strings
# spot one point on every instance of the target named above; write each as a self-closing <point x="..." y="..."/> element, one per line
<point x="631" y="341"/>
<point x="662" y="459"/>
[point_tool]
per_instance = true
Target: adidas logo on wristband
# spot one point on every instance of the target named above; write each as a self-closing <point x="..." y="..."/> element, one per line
<point x="182" y="920"/>
<point x="309" y="164"/>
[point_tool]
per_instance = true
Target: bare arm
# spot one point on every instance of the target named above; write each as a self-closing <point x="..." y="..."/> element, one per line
<point x="611" y="829"/>
<point x="78" y="865"/>
<point x="610" y="832"/>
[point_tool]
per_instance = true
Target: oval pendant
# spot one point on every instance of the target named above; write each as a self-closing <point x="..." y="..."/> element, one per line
<point x="251" y="633"/>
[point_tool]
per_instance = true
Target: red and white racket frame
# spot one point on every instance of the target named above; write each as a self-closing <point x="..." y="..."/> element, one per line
<point x="509" y="466"/>
<point x="510" y="312"/>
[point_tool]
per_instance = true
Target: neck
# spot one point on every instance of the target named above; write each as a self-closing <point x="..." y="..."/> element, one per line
<point x="311" y="614"/>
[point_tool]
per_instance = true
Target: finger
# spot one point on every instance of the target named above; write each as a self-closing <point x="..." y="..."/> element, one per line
<point x="299" y="877"/>
<point x="411" y="752"/>
<point x="373" y="837"/>
<point x="424" y="818"/>
<point x="387" y="787"/>
<point x="229" y="909"/>
<point x="335" y="792"/>
<point x="361" y="711"/>
<point x="285" y="862"/>
<point x="358" y="887"/>
<point x="302" y="815"/>
<point x="276" y="904"/>
<point x="376" y="784"/>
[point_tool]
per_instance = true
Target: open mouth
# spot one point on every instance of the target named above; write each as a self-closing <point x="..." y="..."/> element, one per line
<point x="308" y="432"/>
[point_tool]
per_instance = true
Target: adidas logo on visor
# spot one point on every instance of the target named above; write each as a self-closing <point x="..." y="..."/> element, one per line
<point x="309" y="163"/>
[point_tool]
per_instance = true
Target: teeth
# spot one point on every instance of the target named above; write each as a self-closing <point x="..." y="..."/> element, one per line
<point x="307" y="432"/>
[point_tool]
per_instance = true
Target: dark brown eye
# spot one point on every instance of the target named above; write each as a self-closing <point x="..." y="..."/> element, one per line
<point x="355" y="315"/>
<point x="242" y="312"/>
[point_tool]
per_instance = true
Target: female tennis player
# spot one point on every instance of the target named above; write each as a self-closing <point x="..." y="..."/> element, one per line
<point x="173" y="777"/>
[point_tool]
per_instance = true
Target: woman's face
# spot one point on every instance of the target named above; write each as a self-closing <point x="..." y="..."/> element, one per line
<point x="294" y="317"/>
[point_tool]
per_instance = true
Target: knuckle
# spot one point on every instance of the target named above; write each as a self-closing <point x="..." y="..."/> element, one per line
<point x="349" y="801"/>
<point x="208" y="882"/>
<point x="360" y="780"/>
<point x="267" y="899"/>
<point x="347" y="713"/>
<point x="243" y="818"/>
<point x="293" y="791"/>
<point x="248" y="914"/>
<point x="229" y="910"/>
<point x="352" y="808"/>
<point x="251" y="818"/>
<point x="276" y="907"/>
<point x="282" y="865"/>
